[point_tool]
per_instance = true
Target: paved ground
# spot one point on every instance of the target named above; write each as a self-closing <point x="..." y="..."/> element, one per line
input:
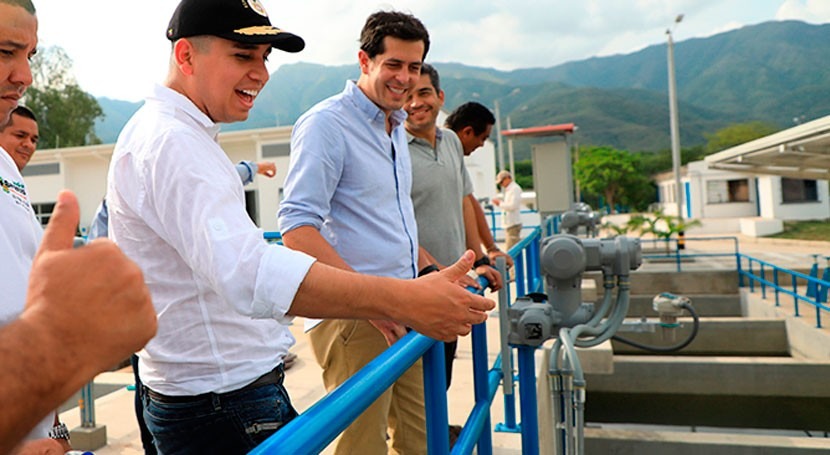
<point x="305" y="386"/>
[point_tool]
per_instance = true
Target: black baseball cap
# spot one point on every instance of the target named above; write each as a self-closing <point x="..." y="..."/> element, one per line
<point x="243" y="21"/>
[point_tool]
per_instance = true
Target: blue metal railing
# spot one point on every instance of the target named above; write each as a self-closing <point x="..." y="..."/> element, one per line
<point x="315" y="428"/>
<point x="759" y="272"/>
<point x="673" y="251"/>
<point x="495" y="226"/>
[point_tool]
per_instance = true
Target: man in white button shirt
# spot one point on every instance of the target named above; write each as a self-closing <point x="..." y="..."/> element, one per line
<point x="213" y="374"/>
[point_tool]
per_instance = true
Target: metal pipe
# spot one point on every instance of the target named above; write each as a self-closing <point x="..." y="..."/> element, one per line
<point x="508" y="387"/>
<point x="567" y="398"/>
<point x="675" y="129"/>
<point x="579" y="410"/>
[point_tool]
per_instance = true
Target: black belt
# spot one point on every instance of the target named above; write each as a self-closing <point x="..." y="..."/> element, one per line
<point x="274" y="376"/>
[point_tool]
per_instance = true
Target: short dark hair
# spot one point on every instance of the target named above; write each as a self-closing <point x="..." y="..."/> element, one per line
<point x="21" y="110"/>
<point x="434" y="79"/>
<point x="471" y="114"/>
<point x="395" y="24"/>
<point x="25" y="4"/>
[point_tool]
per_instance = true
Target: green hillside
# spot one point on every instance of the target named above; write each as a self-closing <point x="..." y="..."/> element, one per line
<point x="773" y="72"/>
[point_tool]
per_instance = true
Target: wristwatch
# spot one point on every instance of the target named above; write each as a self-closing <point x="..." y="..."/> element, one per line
<point x="427" y="270"/>
<point x="484" y="260"/>
<point x="59" y="431"/>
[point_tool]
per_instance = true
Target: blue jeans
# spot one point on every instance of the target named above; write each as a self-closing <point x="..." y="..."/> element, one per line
<point x="226" y="423"/>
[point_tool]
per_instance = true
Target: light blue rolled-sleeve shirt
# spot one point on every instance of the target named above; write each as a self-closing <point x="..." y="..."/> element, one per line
<point x="351" y="180"/>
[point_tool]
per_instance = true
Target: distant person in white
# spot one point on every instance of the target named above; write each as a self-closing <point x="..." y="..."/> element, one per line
<point x="510" y="204"/>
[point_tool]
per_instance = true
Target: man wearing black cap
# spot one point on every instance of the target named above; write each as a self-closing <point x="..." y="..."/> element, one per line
<point x="213" y="374"/>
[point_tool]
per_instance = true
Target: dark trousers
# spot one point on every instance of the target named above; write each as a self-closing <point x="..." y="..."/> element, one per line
<point x="226" y="423"/>
<point x="449" y="357"/>
<point x="146" y="437"/>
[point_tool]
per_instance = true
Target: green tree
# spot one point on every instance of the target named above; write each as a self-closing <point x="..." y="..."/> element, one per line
<point x="613" y="174"/>
<point x="524" y="174"/>
<point x="737" y="134"/>
<point x="66" y="114"/>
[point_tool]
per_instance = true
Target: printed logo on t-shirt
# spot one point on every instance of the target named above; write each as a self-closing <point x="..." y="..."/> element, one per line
<point x="16" y="190"/>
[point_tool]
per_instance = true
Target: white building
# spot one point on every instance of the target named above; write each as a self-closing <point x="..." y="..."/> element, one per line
<point x="84" y="171"/>
<point x="728" y="201"/>
<point x="754" y="187"/>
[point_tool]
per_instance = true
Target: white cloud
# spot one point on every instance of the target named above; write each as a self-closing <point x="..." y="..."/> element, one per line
<point x="119" y="47"/>
<point x="812" y="11"/>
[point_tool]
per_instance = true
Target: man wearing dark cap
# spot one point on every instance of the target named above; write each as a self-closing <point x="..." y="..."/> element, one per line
<point x="213" y="374"/>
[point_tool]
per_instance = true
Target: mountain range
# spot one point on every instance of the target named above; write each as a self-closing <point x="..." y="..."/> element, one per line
<point x="773" y="72"/>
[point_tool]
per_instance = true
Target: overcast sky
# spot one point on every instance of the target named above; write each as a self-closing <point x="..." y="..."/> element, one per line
<point x="119" y="48"/>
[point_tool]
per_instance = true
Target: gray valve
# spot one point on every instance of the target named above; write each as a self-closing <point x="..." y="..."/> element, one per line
<point x="564" y="258"/>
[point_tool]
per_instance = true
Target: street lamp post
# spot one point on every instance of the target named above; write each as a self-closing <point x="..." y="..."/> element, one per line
<point x="675" y="129"/>
<point x="498" y="136"/>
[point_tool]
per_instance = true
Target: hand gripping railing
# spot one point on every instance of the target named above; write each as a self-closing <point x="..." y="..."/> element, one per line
<point x="313" y="430"/>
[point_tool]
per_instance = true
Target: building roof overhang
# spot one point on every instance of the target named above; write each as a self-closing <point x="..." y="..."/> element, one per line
<point x="801" y="152"/>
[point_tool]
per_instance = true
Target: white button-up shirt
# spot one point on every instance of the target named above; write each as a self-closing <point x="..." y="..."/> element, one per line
<point x="177" y="208"/>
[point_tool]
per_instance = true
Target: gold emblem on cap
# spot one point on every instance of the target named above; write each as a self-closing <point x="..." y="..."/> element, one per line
<point x="258" y="30"/>
<point x="257" y="7"/>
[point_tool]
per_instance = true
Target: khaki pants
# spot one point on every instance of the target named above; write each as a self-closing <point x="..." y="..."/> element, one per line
<point x="512" y="236"/>
<point x="342" y="347"/>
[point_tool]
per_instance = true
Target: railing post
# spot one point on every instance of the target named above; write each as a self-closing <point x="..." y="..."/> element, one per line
<point x="795" y="294"/>
<point x="763" y="283"/>
<point x="435" y="399"/>
<point x="775" y="280"/>
<point x="493" y="223"/>
<point x="520" y="268"/>
<point x="527" y="399"/>
<point x="508" y="388"/>
<point x="481" y="384"/>
<point x="533" y="264"/>
<point x="751" y="278"/>
<point x="740" y="272"/>
<point x="87" y="406"/>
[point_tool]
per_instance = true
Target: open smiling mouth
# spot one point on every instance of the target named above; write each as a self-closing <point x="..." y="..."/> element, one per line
<point x="248" y="95"/>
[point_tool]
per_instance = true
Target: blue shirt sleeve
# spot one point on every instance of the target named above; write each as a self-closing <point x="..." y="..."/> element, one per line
<point x="247" y="170"/>
<point x="314" y="172"/>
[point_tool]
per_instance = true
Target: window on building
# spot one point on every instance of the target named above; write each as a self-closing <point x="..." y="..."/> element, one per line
<point x="41" y="169"/>
<point x="276" y="150"/>
<point x="725" y="191"/>
<point x="43" y="212"/>
<point x="798" y="190"/>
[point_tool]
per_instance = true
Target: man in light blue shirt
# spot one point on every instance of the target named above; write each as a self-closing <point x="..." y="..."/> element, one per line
<point x="348" y="204"/>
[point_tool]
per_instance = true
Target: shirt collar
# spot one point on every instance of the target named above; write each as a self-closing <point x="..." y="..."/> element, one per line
<point x="184" y="105"/>
<point x="368" y="107"/>
<point x="438" y="136"/>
